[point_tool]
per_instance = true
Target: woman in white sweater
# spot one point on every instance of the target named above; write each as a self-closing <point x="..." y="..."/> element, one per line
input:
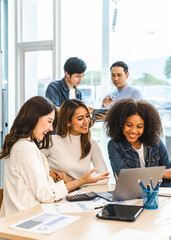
<point x="73" y="151"/>
<point x="27" y="180"/>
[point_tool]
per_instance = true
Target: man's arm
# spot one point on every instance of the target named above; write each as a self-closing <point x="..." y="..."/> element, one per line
<point x="53" y="94"/>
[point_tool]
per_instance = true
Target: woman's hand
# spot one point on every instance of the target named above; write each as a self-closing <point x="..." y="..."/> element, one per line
<point x="54" y="174"/>
<point x="86" y="178"/>
<point x="57" y="176"/>
<point x="63" y="176"/>
<point x="167" y="174"/>
<point x="89" y="178"/>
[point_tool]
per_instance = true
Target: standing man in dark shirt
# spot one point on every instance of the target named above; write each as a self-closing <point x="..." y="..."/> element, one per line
<point x="66" y="88"/>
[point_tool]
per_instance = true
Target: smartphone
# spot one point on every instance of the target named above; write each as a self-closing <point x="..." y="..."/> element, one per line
<point x="101" y="110"/>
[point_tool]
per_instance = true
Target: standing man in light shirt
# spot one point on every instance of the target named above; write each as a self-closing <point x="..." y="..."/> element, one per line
<point x="66" y="88"/>
<point x="119" y="75"/>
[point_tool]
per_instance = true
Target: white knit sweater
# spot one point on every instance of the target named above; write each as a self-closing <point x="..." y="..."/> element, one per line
<point x="65" y="154"/>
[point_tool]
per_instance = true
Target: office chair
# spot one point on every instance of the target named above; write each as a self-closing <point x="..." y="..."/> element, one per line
<point x="1" y="196"/>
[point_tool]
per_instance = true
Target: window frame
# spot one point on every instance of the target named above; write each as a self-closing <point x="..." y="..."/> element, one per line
<point x="22" y="47"/>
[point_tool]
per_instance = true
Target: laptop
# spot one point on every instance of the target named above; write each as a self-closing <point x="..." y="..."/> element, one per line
<point x="127" y="186"/>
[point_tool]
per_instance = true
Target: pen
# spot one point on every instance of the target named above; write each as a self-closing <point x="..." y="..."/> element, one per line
<point x="158" y="185"/>
<point x="148" y="192"/>
<point x="141" y="184"/>
<point x="148" y="187"/>
<point x="151" y="183"/>
<point x="99" y="207"/>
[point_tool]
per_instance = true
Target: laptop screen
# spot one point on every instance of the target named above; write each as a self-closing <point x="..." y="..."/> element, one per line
<point x="127" y="186"/>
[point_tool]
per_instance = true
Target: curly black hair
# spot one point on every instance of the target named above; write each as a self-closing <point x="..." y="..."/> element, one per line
<point x="118" y="113"/>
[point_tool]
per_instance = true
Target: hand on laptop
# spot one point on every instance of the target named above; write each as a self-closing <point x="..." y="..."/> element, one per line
<point x="167" y="173"/>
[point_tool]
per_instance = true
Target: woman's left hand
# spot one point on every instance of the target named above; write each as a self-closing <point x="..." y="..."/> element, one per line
<point x="89" y="178"/>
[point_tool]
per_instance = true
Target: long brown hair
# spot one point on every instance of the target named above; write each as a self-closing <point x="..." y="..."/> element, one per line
<point x="26" y="121"/>
<point x="66" y="112"/>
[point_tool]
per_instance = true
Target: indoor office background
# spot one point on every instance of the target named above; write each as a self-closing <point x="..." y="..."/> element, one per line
<point x="37" y="36"/>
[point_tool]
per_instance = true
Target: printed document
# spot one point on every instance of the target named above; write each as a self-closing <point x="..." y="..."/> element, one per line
<point x="45" y="223"/>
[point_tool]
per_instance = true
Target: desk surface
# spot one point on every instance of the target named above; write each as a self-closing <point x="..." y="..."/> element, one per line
<point x="88" y="226"/>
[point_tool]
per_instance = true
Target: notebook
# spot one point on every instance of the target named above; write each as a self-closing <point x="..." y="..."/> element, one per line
<point x="127" y="186"/>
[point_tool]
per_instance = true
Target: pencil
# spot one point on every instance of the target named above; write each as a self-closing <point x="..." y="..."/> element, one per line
<point x="151" y="183"/>
<point x="99" y="207"/>
<point x="142" y="185"/>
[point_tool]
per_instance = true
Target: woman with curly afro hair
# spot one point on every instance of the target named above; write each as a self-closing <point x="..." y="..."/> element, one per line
<point x="135" y="129"/>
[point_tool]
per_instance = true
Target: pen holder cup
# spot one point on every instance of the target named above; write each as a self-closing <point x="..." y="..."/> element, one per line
<point x="150" y="199"/>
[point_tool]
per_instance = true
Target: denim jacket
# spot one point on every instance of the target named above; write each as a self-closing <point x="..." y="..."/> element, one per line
<point x="58" y="92"/>
<point x="122" y="155"/>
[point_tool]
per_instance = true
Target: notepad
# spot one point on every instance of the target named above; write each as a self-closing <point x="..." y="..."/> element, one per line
<point x="165" y="191"/>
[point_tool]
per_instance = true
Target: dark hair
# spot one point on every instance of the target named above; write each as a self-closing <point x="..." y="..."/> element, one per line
<point x="120" y="64"/>
<point x="118" y="113"/>
<point x="26" y="121"/>
<point x="66" y="112"/>
<point x="74" y="65"/>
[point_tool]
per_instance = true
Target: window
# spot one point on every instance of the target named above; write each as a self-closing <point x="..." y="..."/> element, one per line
<point x="34" y="47"/>
<point x="35" y="20"/>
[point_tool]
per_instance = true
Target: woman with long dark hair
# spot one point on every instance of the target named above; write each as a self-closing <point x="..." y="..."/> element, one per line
<point x="73" y="151"/>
